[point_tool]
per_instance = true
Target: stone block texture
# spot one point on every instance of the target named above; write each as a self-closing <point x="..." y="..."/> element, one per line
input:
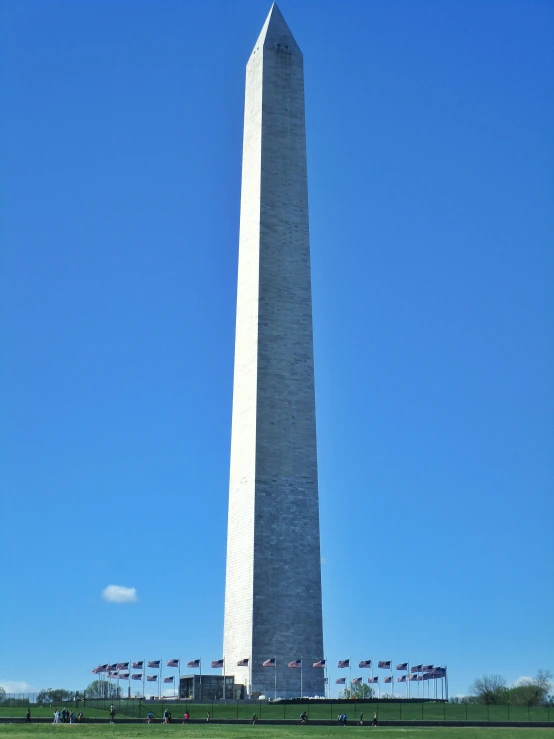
<point x="273" y="585"/>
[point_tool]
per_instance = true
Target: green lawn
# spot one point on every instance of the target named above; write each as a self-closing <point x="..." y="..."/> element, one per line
<point x="385" y="711"/>
<point x="213" y="731"/>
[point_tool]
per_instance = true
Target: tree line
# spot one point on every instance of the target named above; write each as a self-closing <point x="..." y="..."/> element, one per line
<point x="493" y="690"/>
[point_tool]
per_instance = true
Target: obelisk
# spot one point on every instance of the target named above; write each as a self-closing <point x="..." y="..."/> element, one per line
<point x="273" y="585"/>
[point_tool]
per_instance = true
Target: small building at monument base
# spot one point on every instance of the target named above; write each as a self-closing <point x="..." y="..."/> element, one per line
<point x="209" y="688"/>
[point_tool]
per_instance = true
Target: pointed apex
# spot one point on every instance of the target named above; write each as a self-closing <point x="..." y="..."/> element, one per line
<point x="275" y="33"/>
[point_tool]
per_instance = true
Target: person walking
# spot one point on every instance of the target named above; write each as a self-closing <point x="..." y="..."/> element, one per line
<point x="361" y="718"/>
<point x="56" y="717"/>
<point x="28" y="716"/>
<point x="374" y="722"/>
<point x="112" y="714"/>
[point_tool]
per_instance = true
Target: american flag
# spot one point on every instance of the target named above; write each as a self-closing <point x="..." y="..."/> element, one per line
<point x="155" y="664"/>
<point x="388" y="680"/>
<point x="172" y="663"/>
<point x="365" y="663"/>
<point x="373" y="679"/>
<point x="340" y="681"/>
<point x="428" y="675"/>
<point x="113" y="667"/>
<point x="427" y="668"/>
<point x="100" y="668"/>
<point x="122" y="665"/>
<point x="194" y="663"/>
<point x="401" y="679"/>
<point x="416" y="668"/>
<point x="123" y="675"/>
<point x="113" y="675"/>
<point x="419" y="677"/>
<point x="136" y="676"/>
<point x="217" y="663"/>
<point x="402" y="666"/>
<point x="357" y="681"/>
<point x="137" y="665"/>
<point x="168" y="679"/>
<point x="242" y="663"/>
<point x="295" y="663"/>
<point x="151" y="678"/>
<point x="269" y="662"/>
<point x="344" y="663"/>
<point x="440" y="671"/>
<point x="412" y="677"/>
<point x="321" y="663"/>
<point x="384" y="665"/>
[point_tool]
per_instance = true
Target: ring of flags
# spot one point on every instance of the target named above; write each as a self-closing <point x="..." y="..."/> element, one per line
<point x="120" y="670"/>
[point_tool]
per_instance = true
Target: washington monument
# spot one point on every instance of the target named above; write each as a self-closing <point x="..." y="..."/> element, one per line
<point x="273" y="585"/>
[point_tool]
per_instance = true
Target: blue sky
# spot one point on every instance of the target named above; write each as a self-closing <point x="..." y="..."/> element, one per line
<point x="430" y="157"/>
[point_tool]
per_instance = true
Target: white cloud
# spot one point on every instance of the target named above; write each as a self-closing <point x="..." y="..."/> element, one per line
<point x="523" y="680"/>
<point x="119" y="594"/>
<point x="17" y="686"/>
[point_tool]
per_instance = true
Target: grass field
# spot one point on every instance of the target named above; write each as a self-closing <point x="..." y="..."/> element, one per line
<point x="213" y="731"/>
<point x="386" y="711"/>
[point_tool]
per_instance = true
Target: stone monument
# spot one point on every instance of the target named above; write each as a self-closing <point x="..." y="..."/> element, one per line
<point x="273" y="583"/>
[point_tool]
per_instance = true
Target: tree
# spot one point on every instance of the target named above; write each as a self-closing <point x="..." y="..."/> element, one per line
<point x="55" y="695"/>
<point x="531" y="691"/>
<point x="103" y="689"/>
<point x="2" y="693"/>
<point x="489" y="689"/>
<point x="357" y="692"/>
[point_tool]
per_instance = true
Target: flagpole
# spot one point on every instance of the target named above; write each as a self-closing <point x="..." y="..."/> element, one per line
<point x="350" y="671"/>
<point x="372" y="688"/>
<point x="160" y="681"/>
<point x="200" y="667"/>
<point x="408" y="682"/>
<point x="391" y="678"/>
<point x="224" y="683"/>
<point x="301" y="668"/>
<point x="326" y="690"/>
<point x="275" y="677"/>
<point x="179" y="674"/>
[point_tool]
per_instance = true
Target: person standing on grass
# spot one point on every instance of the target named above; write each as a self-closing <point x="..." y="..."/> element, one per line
<point x="374" y="722"/>
<point x="112" y="714"/>
<point x="28" y="716"/>
<point x="56" y="717"/>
